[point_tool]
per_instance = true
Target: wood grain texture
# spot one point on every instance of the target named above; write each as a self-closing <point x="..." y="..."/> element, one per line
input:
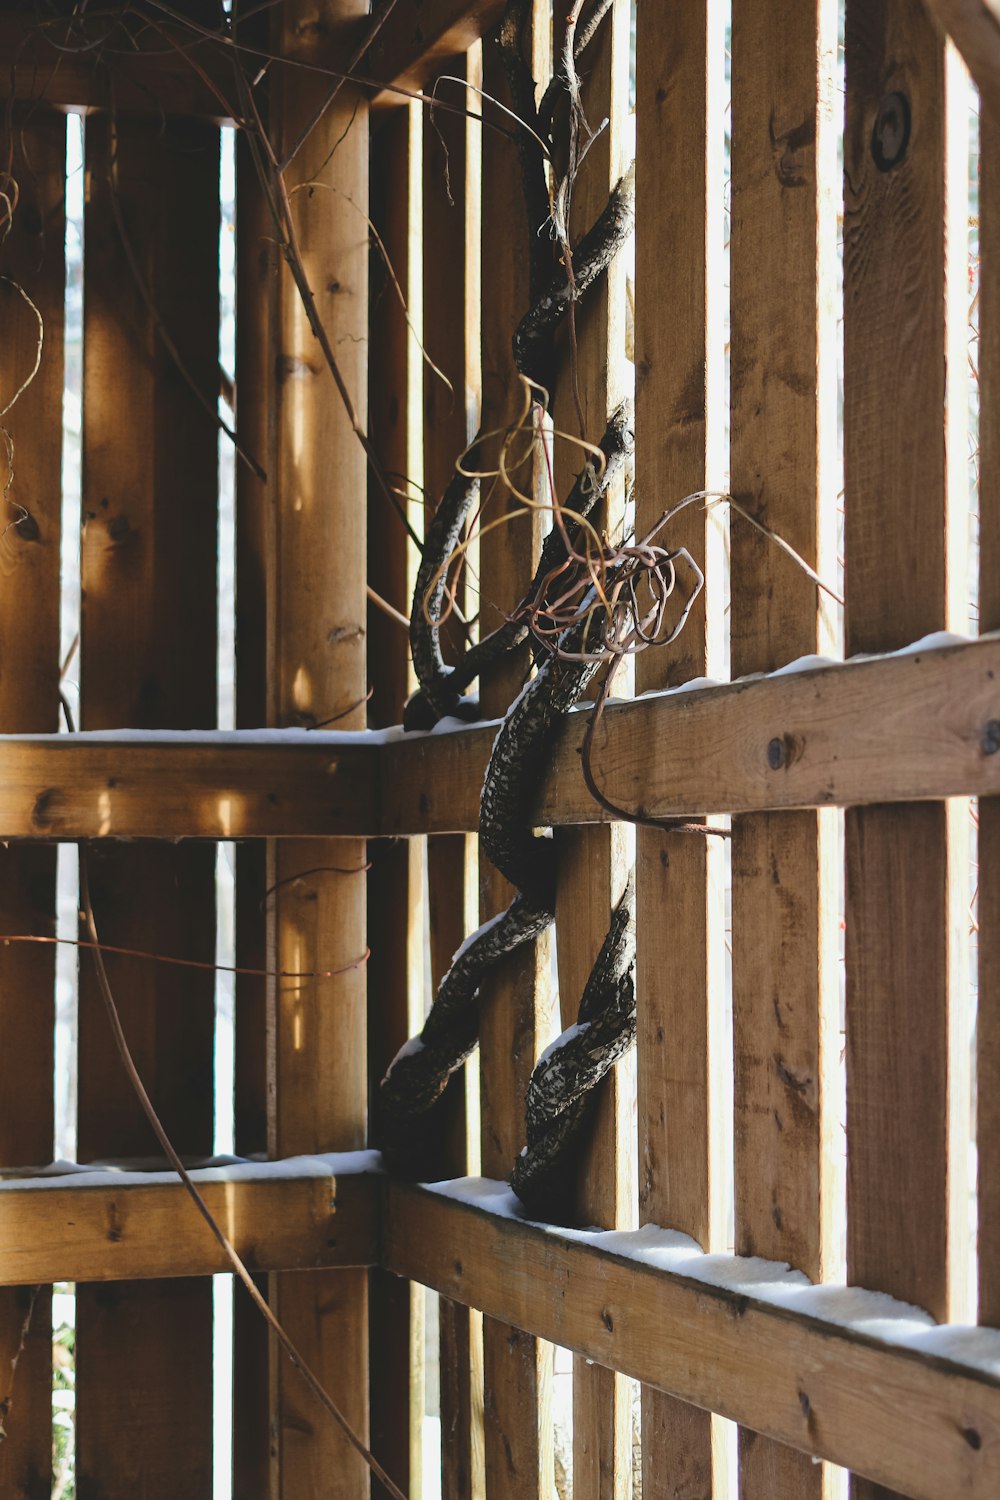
<point x="395" y="881"/>
<point x="147" y="659"/>
<point x="988" y="1035"/>
<point x="318" y="1044"/>
<point x="68" y="68"/>
<point x="704" y="752"/>
<point x="810" y="739"/>
<point x="119" y="1232"/>
<point x="906" y="1083"/>
<point x="257" y="261"/>
<point x="784" y="423"/>
<point x="513" y="1004"/>
<point x="420" y="35"/>
<point x="592" y="861"/>
<point x="810" y="1384"/>
<point x="451" y="252"/>
<point x="678" y="399"/>
<point x="680" y="755"/>
<point x="32" y="258"/>
<point x="974" y="27"/>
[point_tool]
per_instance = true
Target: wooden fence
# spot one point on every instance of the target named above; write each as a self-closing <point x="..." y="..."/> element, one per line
<point x="740" y="1140"/>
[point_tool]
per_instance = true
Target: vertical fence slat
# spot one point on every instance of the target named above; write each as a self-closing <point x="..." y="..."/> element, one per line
<point x="318" y="1050"/>
<point x="988" y="1032"/>
<point x="783" y="436"/>
<point x="32" y="257"/>
<point x="905" y="1171"/>
<point x="395" y="970"/>
<point x="678" y="398"/>
<point x="592" y="861"/>
<point x="517" y="1367"/>
<point x="256" y="273"/>
<point x="148" y="660"/>
<point x="451" y="339"/>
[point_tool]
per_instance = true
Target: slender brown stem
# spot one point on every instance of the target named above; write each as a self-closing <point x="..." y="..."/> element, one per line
<point x="228" y="1249"/>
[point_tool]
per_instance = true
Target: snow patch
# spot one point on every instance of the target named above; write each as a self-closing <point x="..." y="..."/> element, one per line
<point x="804" y="664"/>
<point x="771" y="1283"/>
<point x="408" y="1049"/>
<point x="936" y="641"/>
<point x="474" y="936"/>
<point x="563" y="1040"/>
<point x="62" y="1174"/>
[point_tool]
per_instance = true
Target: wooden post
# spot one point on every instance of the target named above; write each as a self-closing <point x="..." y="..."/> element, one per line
<point x="148" y="660"/>
<point x="678" y="356"/>
<point x="988" y="1026"/>
<point x="784" y="424"/>
<point x="318" y="1083"/>
<point x="32" y="259"/>
<point x="451" y="272"/>
<point x="257" y="260"/>
<point x="907" y="1083"/>
<point x="513" y="1005"/>
<point x="395" y="884"/>
<point x="593" y="861"/>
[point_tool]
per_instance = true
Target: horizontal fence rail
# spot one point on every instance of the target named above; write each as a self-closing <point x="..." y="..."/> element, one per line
<point x="914" y="726"/>
<point x="815" y="1379"/>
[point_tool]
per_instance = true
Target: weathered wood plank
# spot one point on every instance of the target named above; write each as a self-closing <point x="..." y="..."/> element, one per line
<point x="514" y="1004"/>
<point x="784" y="428"/>
<point x="122" y="1231"/>
<point x="32" y="257"/>
<point x="592" y="861"/>
<point x="64" y="65"/>
<point x="974" y="26"/>
<point x="825" y="1389"/>
<point x="82" y="787"/>
<point x="257" y="259"/>
<point x="172" y="69"/>
<point x="906" y="1081"/>
<point x="318" y="1042"/>
<point x="833" y="742"/>
<point x="420" y="34"/>
<point x="395" y="881"/>
<point x="988" y="1024"/>
<point x="451" y="311"/>
<point x="678" y="410"/>
<point x="149" y="540"/>
<point x="908" y="728"/>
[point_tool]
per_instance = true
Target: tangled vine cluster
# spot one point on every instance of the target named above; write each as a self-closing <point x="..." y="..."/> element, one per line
<point x="589" y="604"/>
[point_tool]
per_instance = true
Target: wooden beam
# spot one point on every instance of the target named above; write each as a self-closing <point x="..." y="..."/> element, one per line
<point x="57" y="62"/>
<point x="974" y="27"/>
<point x="920" y="1424"/>
<point x="988" y="1020"/>
<point x="79" y="786"/>
<point x="592" y="863"/>
<point x="420" y="35"/>
<point x="395" y="881"/>
<point x="905" y="477"/>
<point x="908" y="728"/>
<point x="679" y="413"/>
<point x="514" y="999"/>
<point x="784" y="882"/>
<point x="171" y="70"/>
<point x="129" y="1230"/>
<point x="150" y="509"/>
<point x="32" y="258"/>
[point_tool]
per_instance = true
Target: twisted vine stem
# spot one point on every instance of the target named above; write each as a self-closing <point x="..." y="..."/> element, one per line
<point x="569" y="660"/>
